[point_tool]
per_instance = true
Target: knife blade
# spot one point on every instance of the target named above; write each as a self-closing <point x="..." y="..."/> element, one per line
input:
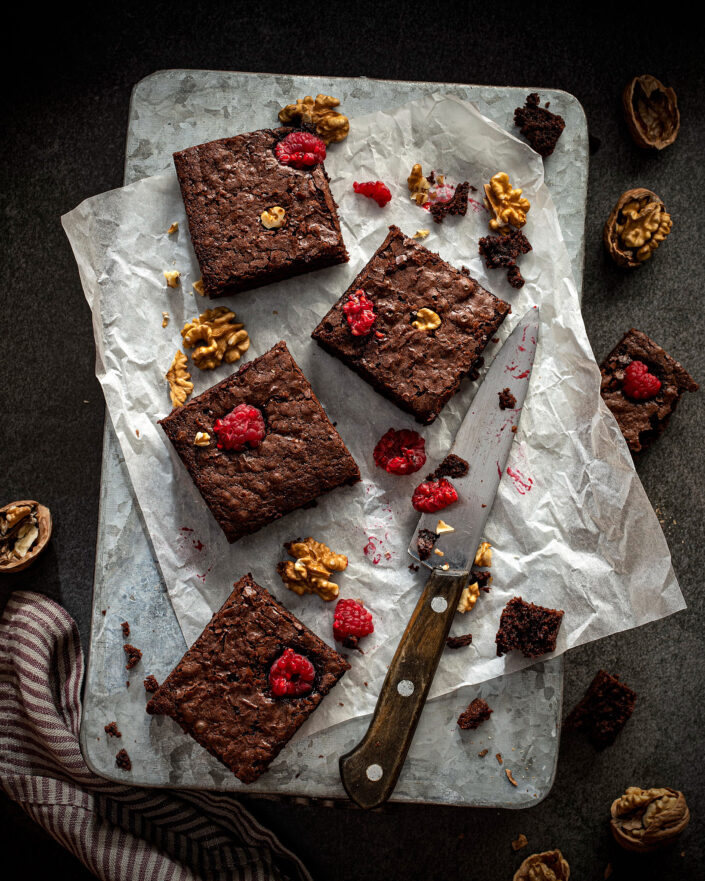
<point x="370" y="771"/>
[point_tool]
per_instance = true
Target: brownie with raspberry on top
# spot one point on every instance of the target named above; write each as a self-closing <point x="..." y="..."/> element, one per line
<point x="412" y="325"/>
<point x="270" y="448"/>
<point x="229" y="188"/>
<point x="641" y="385"/>
<point x="249" y="682"/>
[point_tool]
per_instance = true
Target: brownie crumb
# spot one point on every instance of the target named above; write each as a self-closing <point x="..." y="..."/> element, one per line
<point x="150" y="684"/>
<point x="604" y="709"/>
<point x="451" y="466"/>
<point x="510" y="777"/>
<point x="458" y="205"/>
<point x="413" y="567"/>
<point x="482" y="577"/>
<point x="425" y="542"/>
<point x="514" y="429"/>
<point x="133" y="655"/>
<point x="103" y="611"/>
<point x="499" y="758"/>
<point x="520" y="842"/>
<point x="483" y="753"/>
<point x="459" y="642"/>
<point x="125" y="630"/>
<point x="502" y="252"/>
<point x="122" y="760"/>
<point x="531" y="629"/>
<point x="477" y="713"/>
<point x="112" y="729"/>
<point x="540" y="127"/>
<point x="507" y="401"/>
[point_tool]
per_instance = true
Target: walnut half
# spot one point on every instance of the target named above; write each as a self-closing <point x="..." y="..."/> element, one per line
<point x="646" y="819"/>
<point x="651" y="111"/>
<point x="547" y="866"/>
<point x="314" y="564"/>
<point x="25" y="529"/>
<point x="636" y="227"/>
<point x="331" y="125"/>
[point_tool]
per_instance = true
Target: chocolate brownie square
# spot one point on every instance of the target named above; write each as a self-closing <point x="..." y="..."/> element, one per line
<point x="642" y="421"/>
<point x="220" y="691"/>
<point x="226" y="185"/>
<point x="604" y="709"/>
<point x="300" y="457"/>
<point x="531" y="629"/>
<point x="418" y="369"/>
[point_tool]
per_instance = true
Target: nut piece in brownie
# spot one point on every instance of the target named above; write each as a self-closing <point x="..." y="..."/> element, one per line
<point x="642" y="385"/>
<point x="277" y="453"/>
<point x="477" y="712"/>
<point x="431" y="325"/>
<point x="603" y="710"/>
<point x="227" y="185"/>
<point x="225" y="693"/>
<point x="540" y="127"/>
<point x="530" y="629"/>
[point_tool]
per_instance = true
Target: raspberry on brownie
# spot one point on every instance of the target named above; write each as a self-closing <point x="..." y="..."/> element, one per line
<point x="419" y="368"/>
<point x="272" y="447"/>
<point x="641" y="385"/>
<point x="249" y="682"/>
<point x="603" y="710"/>
<point x="226" y="186"/>
<point x="531" y="629"/>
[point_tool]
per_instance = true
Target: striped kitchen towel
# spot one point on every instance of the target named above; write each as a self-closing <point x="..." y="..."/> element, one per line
<point x="121" y="833"/>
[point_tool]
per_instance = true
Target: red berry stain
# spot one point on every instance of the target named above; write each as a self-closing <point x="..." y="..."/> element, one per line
<point x="360" y="313"/>
<point x="198" y="545"/>
<point x="203" y="577"/>
<point x="522" y="484"/>
<point x="400" y="452"/>
<point x="300" y="150"/>
<point x="242" y="427"/>
<point x="374" y="189"/>
<point x="499" y="470"/>
<point x="523" y="375"/>
<point x="522" y="349"/>
<point x="370" y="550"/>
<point x="186" y="529"/>
<point x="476" y="206"/>
<point x="291" y="675"/>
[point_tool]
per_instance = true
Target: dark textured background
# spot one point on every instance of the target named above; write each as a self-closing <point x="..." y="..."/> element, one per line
<point x="68" y="84"/>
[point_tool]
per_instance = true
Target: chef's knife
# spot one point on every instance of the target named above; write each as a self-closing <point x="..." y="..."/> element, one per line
<point x="370" y="771"/>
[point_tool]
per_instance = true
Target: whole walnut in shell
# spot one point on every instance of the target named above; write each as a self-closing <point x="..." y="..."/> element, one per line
<point x="647" y="819"/>
<point x="547" y="866"/>
<point x="25" y="530"/>
<point x="651" y="111"/>
<point x="636" y="227"/>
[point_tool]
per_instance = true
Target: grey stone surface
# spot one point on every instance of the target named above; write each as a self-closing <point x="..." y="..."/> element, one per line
<point x="63" y="140"/>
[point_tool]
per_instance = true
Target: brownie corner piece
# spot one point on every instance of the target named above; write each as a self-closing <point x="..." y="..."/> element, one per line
<point x="531" y="629"/>
<point x="227" y="184"/>
<point x="603" y="710"/>
<point x="477" y="712"/>
<point x="540" y="127"/>
<point x="300" y="457"/>
<point x="415" y="363"/>
<point x="220" y="692"/>
<point x="642" y="421"/>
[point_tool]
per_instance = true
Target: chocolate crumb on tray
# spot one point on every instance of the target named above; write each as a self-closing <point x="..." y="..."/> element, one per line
<point x="641" y="385"/>
<point x="457" y="205"/>
<point x="134" y="655"/>
<point x="502" y="251"/>
<point x="122" y="760"/>
<point x="125" y="630"/>
<point x="540" y="127"/>
<point x="150" y="684"/>
<point x="507" y="401"/>
<point x="477" y="712"/>
<point x="112" y="729"/>
<point x="603" y="711"/>
<point x="531" y="629"/>
<point x="451" y="466"/>
<point x="459" y="642"/>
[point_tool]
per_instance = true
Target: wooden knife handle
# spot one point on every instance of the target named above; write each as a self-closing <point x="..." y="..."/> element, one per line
<point x="370" y="771"/>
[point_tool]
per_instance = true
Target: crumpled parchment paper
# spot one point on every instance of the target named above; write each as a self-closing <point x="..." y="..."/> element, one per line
<point x="572" y="530"/>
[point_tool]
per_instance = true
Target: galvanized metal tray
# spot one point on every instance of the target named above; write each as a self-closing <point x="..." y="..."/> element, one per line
<point x="171" y="110"/>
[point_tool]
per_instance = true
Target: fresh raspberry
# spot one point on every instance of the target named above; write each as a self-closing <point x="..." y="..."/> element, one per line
<point x="434" y="495"/>
<point x="374" y="189"/>
<point x="300" y="150"/>
<point x="242" y="427"/>
<point x="639" y="383"/>
<point x="360" y="313"/>
<point x="291" y="675"/>
<point x="351" y="622"/>
<point x="400" y="452"/>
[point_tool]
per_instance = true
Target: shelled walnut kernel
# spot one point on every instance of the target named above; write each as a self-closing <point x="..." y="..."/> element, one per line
<point x="547" y="866"/>
<point x="220" y="337"/>
<point x="179" y="379"/>
<point x="505" y="203"/>
<point x="330" y="124"/>
<point x="314" y="564"/>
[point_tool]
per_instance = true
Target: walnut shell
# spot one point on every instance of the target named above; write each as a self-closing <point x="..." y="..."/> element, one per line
<point x="644" y="820"/>
<point x="651" y="111"/>
<point x="655" y="227"/>
<point x="547" y="866"/>
<point x="44" y="526"/>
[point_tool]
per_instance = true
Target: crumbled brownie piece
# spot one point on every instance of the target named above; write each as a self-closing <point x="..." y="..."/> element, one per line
<point x="540" y="127"/>
<point x="642" y="421"/>
<point x="482" y="577"/>
<point x="604" y="709"/>
<point x="459" y="642"/>
<point x="502" y="251"/>
<point x="122" y="760"/>
<point x="451" y="466"/>
<point x="458" y="204"/>
<point x="531" y="629"/>
<point x="125" y="630"/>
<point x="150" y="684"/>
<point x="413" y="567"/>
<point x="133" y="655"/>
<point x="507" y="401"/>
<point x="483" y="753"/>
<point x="112" y="729"/>
<point x="425" y="542"/>
<point x="477" y="713"/>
